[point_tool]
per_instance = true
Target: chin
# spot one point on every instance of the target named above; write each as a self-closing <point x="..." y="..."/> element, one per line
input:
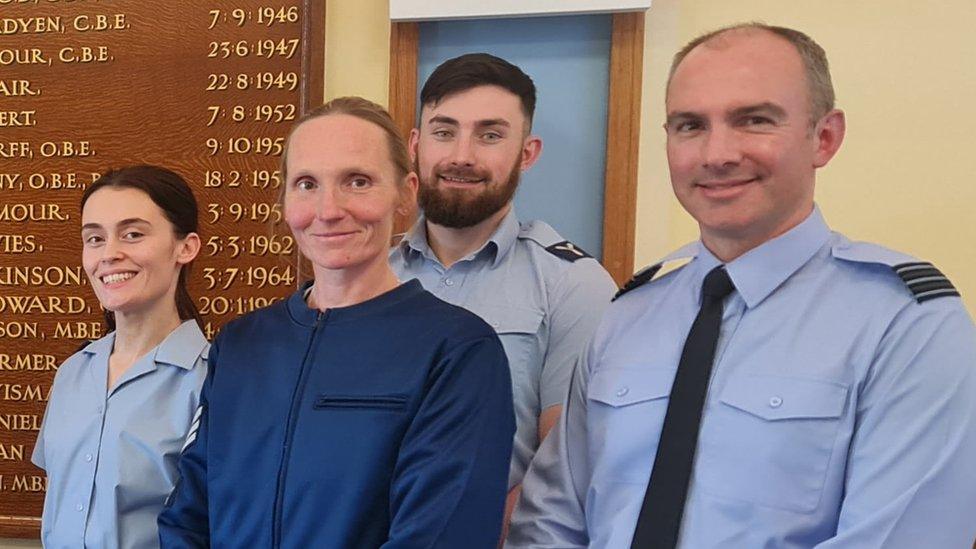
<point x="333" y="263"/>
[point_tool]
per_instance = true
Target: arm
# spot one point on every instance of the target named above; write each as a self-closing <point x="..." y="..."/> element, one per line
<point x="549" y="513"/>
<point x="547" y="421"/>
<point x="910" y="479"/>
<point x="577" y="302"/>
<point x="184" y="521"/>
<point x="576" y="305"/>
<point x="448" y="487"/>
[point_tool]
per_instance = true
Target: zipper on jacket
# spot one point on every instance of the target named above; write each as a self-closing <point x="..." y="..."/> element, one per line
<point x="296" y="401"/>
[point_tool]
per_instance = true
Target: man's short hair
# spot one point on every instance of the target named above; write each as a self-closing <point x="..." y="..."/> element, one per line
<point x="479" y="69"/>
<point x="814" y="62"/>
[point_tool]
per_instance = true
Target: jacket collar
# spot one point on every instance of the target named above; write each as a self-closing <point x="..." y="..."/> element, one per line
<point x="301" y="313"/>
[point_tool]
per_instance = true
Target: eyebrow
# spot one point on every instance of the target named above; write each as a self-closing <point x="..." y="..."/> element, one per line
<point x="441" y="119"/>
<point x="125" y="222"/>
<point x="765" y="107"/>
<point x="488" y="122"/>
<point x="680" y="116"/>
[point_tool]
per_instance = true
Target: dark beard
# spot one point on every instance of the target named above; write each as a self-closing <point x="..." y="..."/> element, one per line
<point x="455" y="209"/>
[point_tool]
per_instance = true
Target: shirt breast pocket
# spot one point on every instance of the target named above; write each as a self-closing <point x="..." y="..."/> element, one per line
<point x="625" y="411"/>
<point x="770" y="439"/>
<point x="517" y="328"/>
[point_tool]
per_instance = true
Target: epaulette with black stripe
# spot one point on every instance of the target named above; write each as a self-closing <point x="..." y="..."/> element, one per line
<point x="642" y="277"/>
<point x="567" y="250"/>
<point x="925" y="281"/>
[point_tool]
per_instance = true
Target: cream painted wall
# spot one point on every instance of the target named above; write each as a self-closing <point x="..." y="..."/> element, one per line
<point x="357" y="49"/>
<point x="904" y="73"/>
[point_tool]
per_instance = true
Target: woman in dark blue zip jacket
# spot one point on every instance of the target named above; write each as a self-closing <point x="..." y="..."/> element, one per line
<point x="361" y="412"/>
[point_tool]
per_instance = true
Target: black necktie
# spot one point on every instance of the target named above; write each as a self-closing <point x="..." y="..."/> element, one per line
<point x="664" y="501"/>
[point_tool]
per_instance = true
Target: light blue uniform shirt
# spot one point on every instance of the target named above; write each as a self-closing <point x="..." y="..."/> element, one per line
<point x="111" y="456"/>
<point x="841" y="411"/>
<point x="544" y="305"/>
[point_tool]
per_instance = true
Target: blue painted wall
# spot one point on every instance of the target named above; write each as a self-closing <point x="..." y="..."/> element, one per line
<point x="569" y="60"/>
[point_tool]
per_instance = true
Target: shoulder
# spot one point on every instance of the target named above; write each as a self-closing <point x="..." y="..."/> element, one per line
<point x="660" y="270"/>
<point x="561" y="258"/>
<point x="448" y="320"/>
<point x="78" y="360"/>
<point x="269" y="313"/>
<point x="908" y="276"/>
<point x="543" y="237"/>
<point x="261" y="323"/>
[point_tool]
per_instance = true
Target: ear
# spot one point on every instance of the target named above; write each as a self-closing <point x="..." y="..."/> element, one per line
<point x="531" y="150"/>
<point x="188" y="248"/>
<point x="828" y="136"/>
<point x="412" y="144"/>
<point x="408" y="195"/>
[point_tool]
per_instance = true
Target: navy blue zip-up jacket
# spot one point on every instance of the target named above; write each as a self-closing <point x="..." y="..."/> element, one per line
<point x="385" y="424"/>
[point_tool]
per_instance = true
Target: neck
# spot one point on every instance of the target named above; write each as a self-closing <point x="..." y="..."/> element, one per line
<point x="137" y="333"/>
<point x="345" y="287"/>
<point x="728" y="246"/>
<point x="450" y="245"/>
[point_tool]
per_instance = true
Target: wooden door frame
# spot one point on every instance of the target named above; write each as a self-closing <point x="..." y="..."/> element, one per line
<point x="623" y="126"/>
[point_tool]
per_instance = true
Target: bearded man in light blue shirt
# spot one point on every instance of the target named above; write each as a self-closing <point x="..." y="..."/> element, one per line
<point x="839" y="406"/>
<point x="542" y="294"/>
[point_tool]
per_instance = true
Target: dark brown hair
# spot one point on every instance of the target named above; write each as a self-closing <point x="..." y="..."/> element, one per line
<point x="479" y="69"/>
<point x="173" y="196"/>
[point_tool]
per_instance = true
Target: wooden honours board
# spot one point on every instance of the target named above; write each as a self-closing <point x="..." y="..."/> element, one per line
<point x="207" y="88"/>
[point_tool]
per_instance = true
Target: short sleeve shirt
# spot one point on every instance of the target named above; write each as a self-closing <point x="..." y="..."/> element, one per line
<point x="110" y="456"/>
<point x="542" y="295"/>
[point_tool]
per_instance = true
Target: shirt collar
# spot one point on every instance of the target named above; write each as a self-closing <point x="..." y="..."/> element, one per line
<point x="500" y="242"/>
<point x="416" y="240"/>
<point x="758" y="272"/>
<point x="180" y="348"/>
<point x="504" y="236"/>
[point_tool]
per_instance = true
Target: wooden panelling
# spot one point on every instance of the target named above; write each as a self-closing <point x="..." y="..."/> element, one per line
<point x="623" y="139"/>
<point x="404" y="48"/>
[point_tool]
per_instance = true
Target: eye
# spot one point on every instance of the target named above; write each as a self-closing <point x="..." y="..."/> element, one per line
<point x="442" y="134"/>
<point x="688" y="126"/>
<point x="491" y="137"/>
<point x="360" y="183"/>
<point x="132" y="235"/>
<point x="305" y="184"/>
<point x="92" y="240"/>
<point x="757" y="121"/>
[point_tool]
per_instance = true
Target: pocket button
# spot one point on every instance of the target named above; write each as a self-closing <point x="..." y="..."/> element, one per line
<point x="775" y="402"/>
<point x="623" y="391"/>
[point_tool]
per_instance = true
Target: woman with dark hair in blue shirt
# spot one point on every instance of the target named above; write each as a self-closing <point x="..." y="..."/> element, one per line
<point x="361" y="411"/>
<point x="121" y="407"/>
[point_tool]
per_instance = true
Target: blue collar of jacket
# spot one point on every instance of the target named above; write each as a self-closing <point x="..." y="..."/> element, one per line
<point x="302" y="314"/>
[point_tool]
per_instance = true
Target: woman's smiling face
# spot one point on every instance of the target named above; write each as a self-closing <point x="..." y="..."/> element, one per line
<point x="130" y="251"/>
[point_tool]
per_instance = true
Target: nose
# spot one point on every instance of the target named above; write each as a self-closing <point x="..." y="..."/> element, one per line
<point x="111" y="251"/>
<point x="463" y="153"/>
<point x="331" y="203"/>
<point x="720" y="149"/>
